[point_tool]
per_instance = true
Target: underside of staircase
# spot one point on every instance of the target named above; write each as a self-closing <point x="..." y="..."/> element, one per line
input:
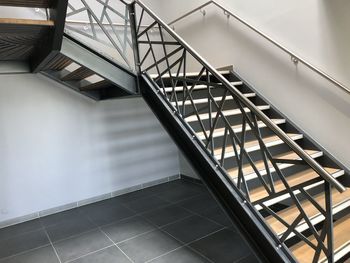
<point x="289" y="196"/>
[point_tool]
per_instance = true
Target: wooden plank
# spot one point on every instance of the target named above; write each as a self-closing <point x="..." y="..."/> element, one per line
<point x="304" y="253"/>
<point x="78" y="74"/>
<point x="291" y="213"/>
<point x="26" y="3"/>
<point x="97" y="86"/>
<point x="293" y="180"/>
<point x="248" y="169"/>
<point x="59" y="63"/>
<point x="26" y="22"/>
<point x="254" y="144"/>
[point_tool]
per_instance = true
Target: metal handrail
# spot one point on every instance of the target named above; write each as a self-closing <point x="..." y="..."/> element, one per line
<point x="294" y="57"/>
<point x="277" y="130"/>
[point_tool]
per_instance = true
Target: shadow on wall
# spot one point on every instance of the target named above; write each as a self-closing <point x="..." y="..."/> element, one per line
<point x="134" y="143"/>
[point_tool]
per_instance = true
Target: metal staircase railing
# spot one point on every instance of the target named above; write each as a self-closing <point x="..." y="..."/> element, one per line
<point x="168" y="56"/>
<point x="157" y="49"/>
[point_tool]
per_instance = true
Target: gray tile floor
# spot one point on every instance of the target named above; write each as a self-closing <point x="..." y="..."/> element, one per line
<point x="173" y="222"/>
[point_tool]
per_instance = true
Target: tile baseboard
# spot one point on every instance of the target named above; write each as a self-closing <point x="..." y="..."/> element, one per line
<point x="83" y="202"/>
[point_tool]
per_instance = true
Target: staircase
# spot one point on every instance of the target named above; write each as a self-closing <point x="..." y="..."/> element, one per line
<point x="289" y="197"/>
<point x="278" y="209"/>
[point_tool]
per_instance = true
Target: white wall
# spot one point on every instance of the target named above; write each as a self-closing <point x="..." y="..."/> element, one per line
<point x="58" y="147"/>
<point x="315" y="29"/>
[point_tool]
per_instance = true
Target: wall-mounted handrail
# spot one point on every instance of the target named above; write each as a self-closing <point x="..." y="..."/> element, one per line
<point x="270" y="124"/>
<point x="294" y="57"/>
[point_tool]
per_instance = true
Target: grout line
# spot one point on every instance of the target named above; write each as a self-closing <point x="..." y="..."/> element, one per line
<point x="111" y="195"/>
<point x="54" y="249"/>
<point x="141" y="215"/>
<point x="90" y="253"/>
<point x="117" y="246"/>
<point x="24" y="252"/>
<point x="186" y="244"/>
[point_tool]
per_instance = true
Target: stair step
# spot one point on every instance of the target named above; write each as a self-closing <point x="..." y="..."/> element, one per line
<point x="237" y="129"/>
<point x="206" y="116"/>
<point x="249" y="173"/>
<point x="196" y="87"/>
<point x="203" y="101"/>
<point x="78" y="74"/>
<point x="26" y="3"/>
<point x="26" y="22"/>
<point x="254" y="145"/>
<point x="98" y="85"/>
<point x="340" y="202"/>
<point x="304" y="253"/>
<point x="58" y="63"/>
<point x="188" y="74"/>
<point x="293" y="180"/>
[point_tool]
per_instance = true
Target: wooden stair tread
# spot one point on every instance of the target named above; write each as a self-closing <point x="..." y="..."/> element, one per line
<point x="238" y="128"/>
<point x="26" y="3"/>
<point x="248" y="169"/>
<point x="196" y="87"/>
<point x="205" y="116"/>
<point x="78" y="74"/>
<point x="98" y="85"/>
<point x="291" y="213"/>
<point x="26" y="22"/>
<point x="304" y="253"/>
<point x="293" y="180"/>
<point x="217" y="99"/>
<point x="254" y="144"/>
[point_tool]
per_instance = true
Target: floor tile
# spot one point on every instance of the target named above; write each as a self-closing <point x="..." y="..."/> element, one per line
<point x="223" y="246"/>
<point x="127" y="228"/>
<point x="149" y="246"/>
<point x="147" y="203"/>
<point x="216" y="214"/>
<point x="104" y="214"/>
<point x="192" y="228"/>
<point x="179" y="193"/>
<point x="199" y="203"/>
<point x="75" y="247"/>
<point x="69" y="228"/>
<point x="166" y="215"/>
<point x="22" y="243"/>
<point x="248" y="259"/>
<point x="181" y="255"/>
<point x="108" y="255"/>
<point x="40" y="255"/>
<point x="60" y="217"/>
<point x="20" y="229"/>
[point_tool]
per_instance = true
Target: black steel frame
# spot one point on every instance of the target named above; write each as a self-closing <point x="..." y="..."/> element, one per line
<point x="158" y="49"/>
<point x="170" y="64"/>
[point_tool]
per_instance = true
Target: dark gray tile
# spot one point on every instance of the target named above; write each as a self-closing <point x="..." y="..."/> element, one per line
<point x="78" y="246"/>
<point x="127" y="228"/>
<point x="199" y="203"/>
<point x="192" y="228"/>
<point x="149" y="246"/>
<point x="179" y="193"/>
<point x="216" y="214"/>
<point x="60" y="217"/>
<point x="146" y="204"/>
<point x="19" y="229"/>
<point x="166" y="215"/>
<point x="108" y="255"/>
<point x="69" y="228"/>
<point x="106" y="213"/>
<point x="248" y="259"/>
<point x="223" y="246"/>
<point x="22" y="243"/>
<point x="40" y="255"/>
<point x="181" y="255"/>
